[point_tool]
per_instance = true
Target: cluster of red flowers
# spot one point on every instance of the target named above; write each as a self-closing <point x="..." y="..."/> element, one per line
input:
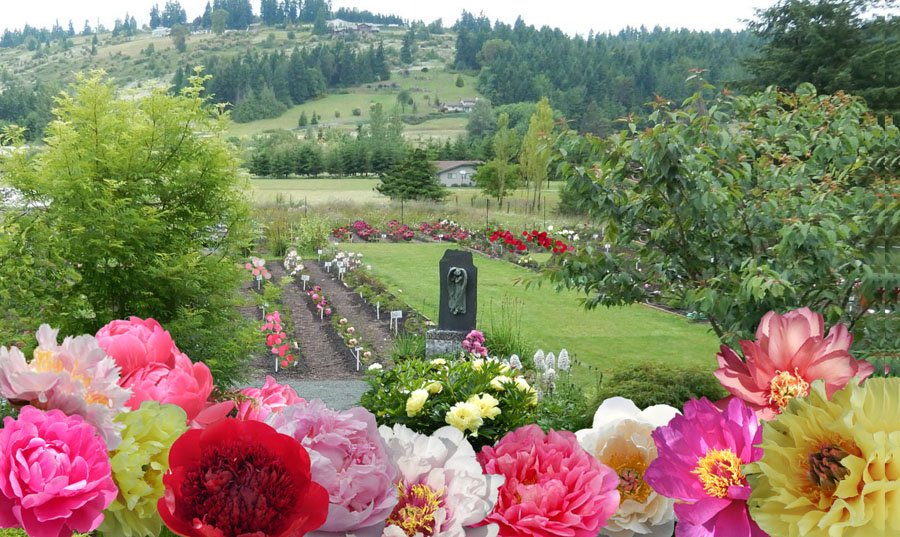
<point x="446" y="230"/>
<point x="341" y="233"/>
<point x="276" y="339"/>
<point x="365" y="231"/>
<point x="399" y="231"/>
<point x="319" y="300"/>
<point x="541" y="238"/>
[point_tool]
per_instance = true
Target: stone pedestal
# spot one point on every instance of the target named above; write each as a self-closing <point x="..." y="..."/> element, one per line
<point x="444" y="342"/>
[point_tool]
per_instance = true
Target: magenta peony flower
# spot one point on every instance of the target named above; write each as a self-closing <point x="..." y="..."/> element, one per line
<point x="55" y="476"/>
<point x="76" y="377"/>
<point x="350" y="459"/>
<point x="791" y="352"/>
<point x="553" y="486"/>
<point x="261" y="402"/>
<point x="136" y="343"/>
<point x="700" y="455"/>
<point x="185" y="384"/>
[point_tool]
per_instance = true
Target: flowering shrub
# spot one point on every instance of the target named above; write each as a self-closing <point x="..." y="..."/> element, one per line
<point x="542" y="239"/>
<point x="319" y="300"/>
<point x="444" y="230"/>
<point x="293" y="263"/>
<point x="257" y="267"/>
<point x="276" y="339"/>
<point x="350" y="260"/>
<point x="483" y="398"/>
<point x="341" y="233"/>
<point x="400" y="232"/>
<point x="365" y="231"/>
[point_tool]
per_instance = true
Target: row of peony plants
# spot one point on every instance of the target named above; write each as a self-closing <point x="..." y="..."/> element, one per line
<point x="118" y="432"/>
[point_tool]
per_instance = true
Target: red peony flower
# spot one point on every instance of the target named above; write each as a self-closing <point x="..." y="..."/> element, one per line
<point x="240" y="479"/>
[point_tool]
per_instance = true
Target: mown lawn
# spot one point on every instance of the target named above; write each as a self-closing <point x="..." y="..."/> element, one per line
<point x="608" y="338"/>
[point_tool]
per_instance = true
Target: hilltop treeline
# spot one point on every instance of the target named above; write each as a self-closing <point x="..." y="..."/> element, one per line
<point x="599" y="77"/>
<point x="264" y="85"/>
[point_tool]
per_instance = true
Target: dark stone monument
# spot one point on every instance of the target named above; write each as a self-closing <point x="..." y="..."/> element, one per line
<point x="458" y="303"/>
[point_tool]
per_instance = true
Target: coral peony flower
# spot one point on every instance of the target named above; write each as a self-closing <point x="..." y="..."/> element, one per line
<point x="260" y="402"/>
<point x="621" y="439"/>
<point x="699" y="465"/>
<point x="791" y="352"/>
<point x="553" y="487"/>
<point x="55" y="475"/>
<point x="240" y="478"/>
<point x="136" y="343"/>
<point x="138" y="465"/>
<point x="465" y="416"/>
<point x="76" y="377"/>
<point x="831" y="468"/>
<point x="443" y="489"/>
<point x="349" y="459"/>
<point x="186" y="384"/>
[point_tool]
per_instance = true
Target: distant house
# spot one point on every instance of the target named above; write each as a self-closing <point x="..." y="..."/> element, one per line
<point x="366" y="28"/>
<point x="337" y="25"/>
<point x="465" y="105"/>
<point x="456" y="172"/>
<point x="161" y="31"/>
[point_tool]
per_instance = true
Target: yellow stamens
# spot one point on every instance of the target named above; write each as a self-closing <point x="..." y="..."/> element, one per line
<point x="416" y="509"/>
<point x="630" y="468"/>
<point x="786" y="386"/>
<point x="45" y="361"/>
<point x="718" y="470"/>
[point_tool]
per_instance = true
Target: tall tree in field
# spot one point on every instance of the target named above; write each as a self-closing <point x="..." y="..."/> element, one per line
<point x="413" y="178"/>
<point x="500" y="174"/>
<point x="179" y="35"/>
<point x="537" y="150"/>
<point x="219" y="21"/>
<point x="749" y="204"/>
<point x="155" y="18"/>
<point x="142" y="212"/>
<point x="407" y="47"/>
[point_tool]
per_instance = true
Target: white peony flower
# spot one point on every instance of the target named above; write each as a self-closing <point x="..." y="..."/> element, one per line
<point x="441" y="482"/>
<point x="620" y="438"/>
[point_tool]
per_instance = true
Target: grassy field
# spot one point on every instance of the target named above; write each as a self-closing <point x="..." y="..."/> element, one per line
<point x="609" y="339"/>
<point x="336" y="109"/>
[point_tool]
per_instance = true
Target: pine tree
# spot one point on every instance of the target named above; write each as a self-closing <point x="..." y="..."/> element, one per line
<point x="413" y="178"/>
<point x="406" y="49"/>
<point x="303" y="120"/>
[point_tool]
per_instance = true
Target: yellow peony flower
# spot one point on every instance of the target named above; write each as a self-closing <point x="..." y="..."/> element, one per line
<point x="434" y="387"/>
<point x="831" y="468"/>
<point x="465" y="416"/>
<point x="478" y="364"/>
<point x="487" y="405"/>
<point x="523" y="386"/>
<point x="439" y="362"/>
<point x="498" y="382"/>
<point x="415" y="402"/>
<point x="138" y="464"/>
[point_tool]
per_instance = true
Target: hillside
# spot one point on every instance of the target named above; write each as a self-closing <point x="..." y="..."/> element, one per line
<point x="143" y="61"/>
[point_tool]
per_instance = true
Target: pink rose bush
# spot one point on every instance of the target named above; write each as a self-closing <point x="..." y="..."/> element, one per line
<point x="553" y="486"/>
<point x="350" y="459"/>
<point x="790" y="352"/>
<point x="700" y="465"/>
<point x="55" y="475"/>
<point x="258" y="403"/>
<point x="76" y="377"/>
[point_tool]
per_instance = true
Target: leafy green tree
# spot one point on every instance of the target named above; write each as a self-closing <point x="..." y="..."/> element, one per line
<point x="537" y="150"/>
<point x="303" y="121"/>
<point x="140" y="212"/>
<point x="407" y="47"/>
<point x="413" y="178"/>
<point x="742" y="205"/>
<point x="404" y="99"/>
<point x="497" y="177"/>
<point x="155" y="18"/>
<point x="179" y="35"/>
<point x="459" y="81"/>
<point x="482" y="120"/>
<point x="173" y="14"/>
<point x="219" y="20"/>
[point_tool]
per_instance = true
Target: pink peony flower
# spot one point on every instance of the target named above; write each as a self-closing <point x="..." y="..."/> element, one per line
<point x="350" y="459"/>
<point x="791" y="352"/>
<point x="699" y="465"/>
<point x="76" y="377"/>
<point x="185" y="384"/>
<point x="55" y="475"/>
<point x="136" y="343"/>
<point x="261" y="402"/>
<point x="553" y="486"/>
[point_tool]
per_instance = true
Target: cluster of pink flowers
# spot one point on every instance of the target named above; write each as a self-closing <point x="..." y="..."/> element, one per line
<point x="341" y="233"/>
<point x="257" y="267"/>
<point x="444" y="230"/>
<point x="318" y="298"/>
<point x="474" y="343"/>
<point x="364" y="230"/>
<point x="400" y="232"/>
<point x="276" y="339"/>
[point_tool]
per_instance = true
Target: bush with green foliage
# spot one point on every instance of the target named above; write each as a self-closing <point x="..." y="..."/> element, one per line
<point x="657" y="384"/>
<point x="137" y="209"/>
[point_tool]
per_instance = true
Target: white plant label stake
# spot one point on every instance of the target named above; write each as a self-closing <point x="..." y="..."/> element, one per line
<point x="356" y="352"/>
<point x="378" y="310"/>
<point x="304" y="278"/>
<point x="328" y="266"/>
<point x="258" y="281"/>
<point x="396" y="315"/>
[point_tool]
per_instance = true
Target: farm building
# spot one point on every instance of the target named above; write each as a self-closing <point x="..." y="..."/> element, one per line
<point x="456" y="172"/>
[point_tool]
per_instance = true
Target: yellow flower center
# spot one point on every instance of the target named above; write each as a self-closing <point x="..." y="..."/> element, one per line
<point x="47" y="361"/>
<point x="786" y="386"/>
<point x="630" y="468"/>
<point x="718" y="470"/>
<point x="415" y="510"/>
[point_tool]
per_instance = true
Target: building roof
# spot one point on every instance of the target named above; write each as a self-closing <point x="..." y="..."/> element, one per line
<point x="447" y="165"/>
